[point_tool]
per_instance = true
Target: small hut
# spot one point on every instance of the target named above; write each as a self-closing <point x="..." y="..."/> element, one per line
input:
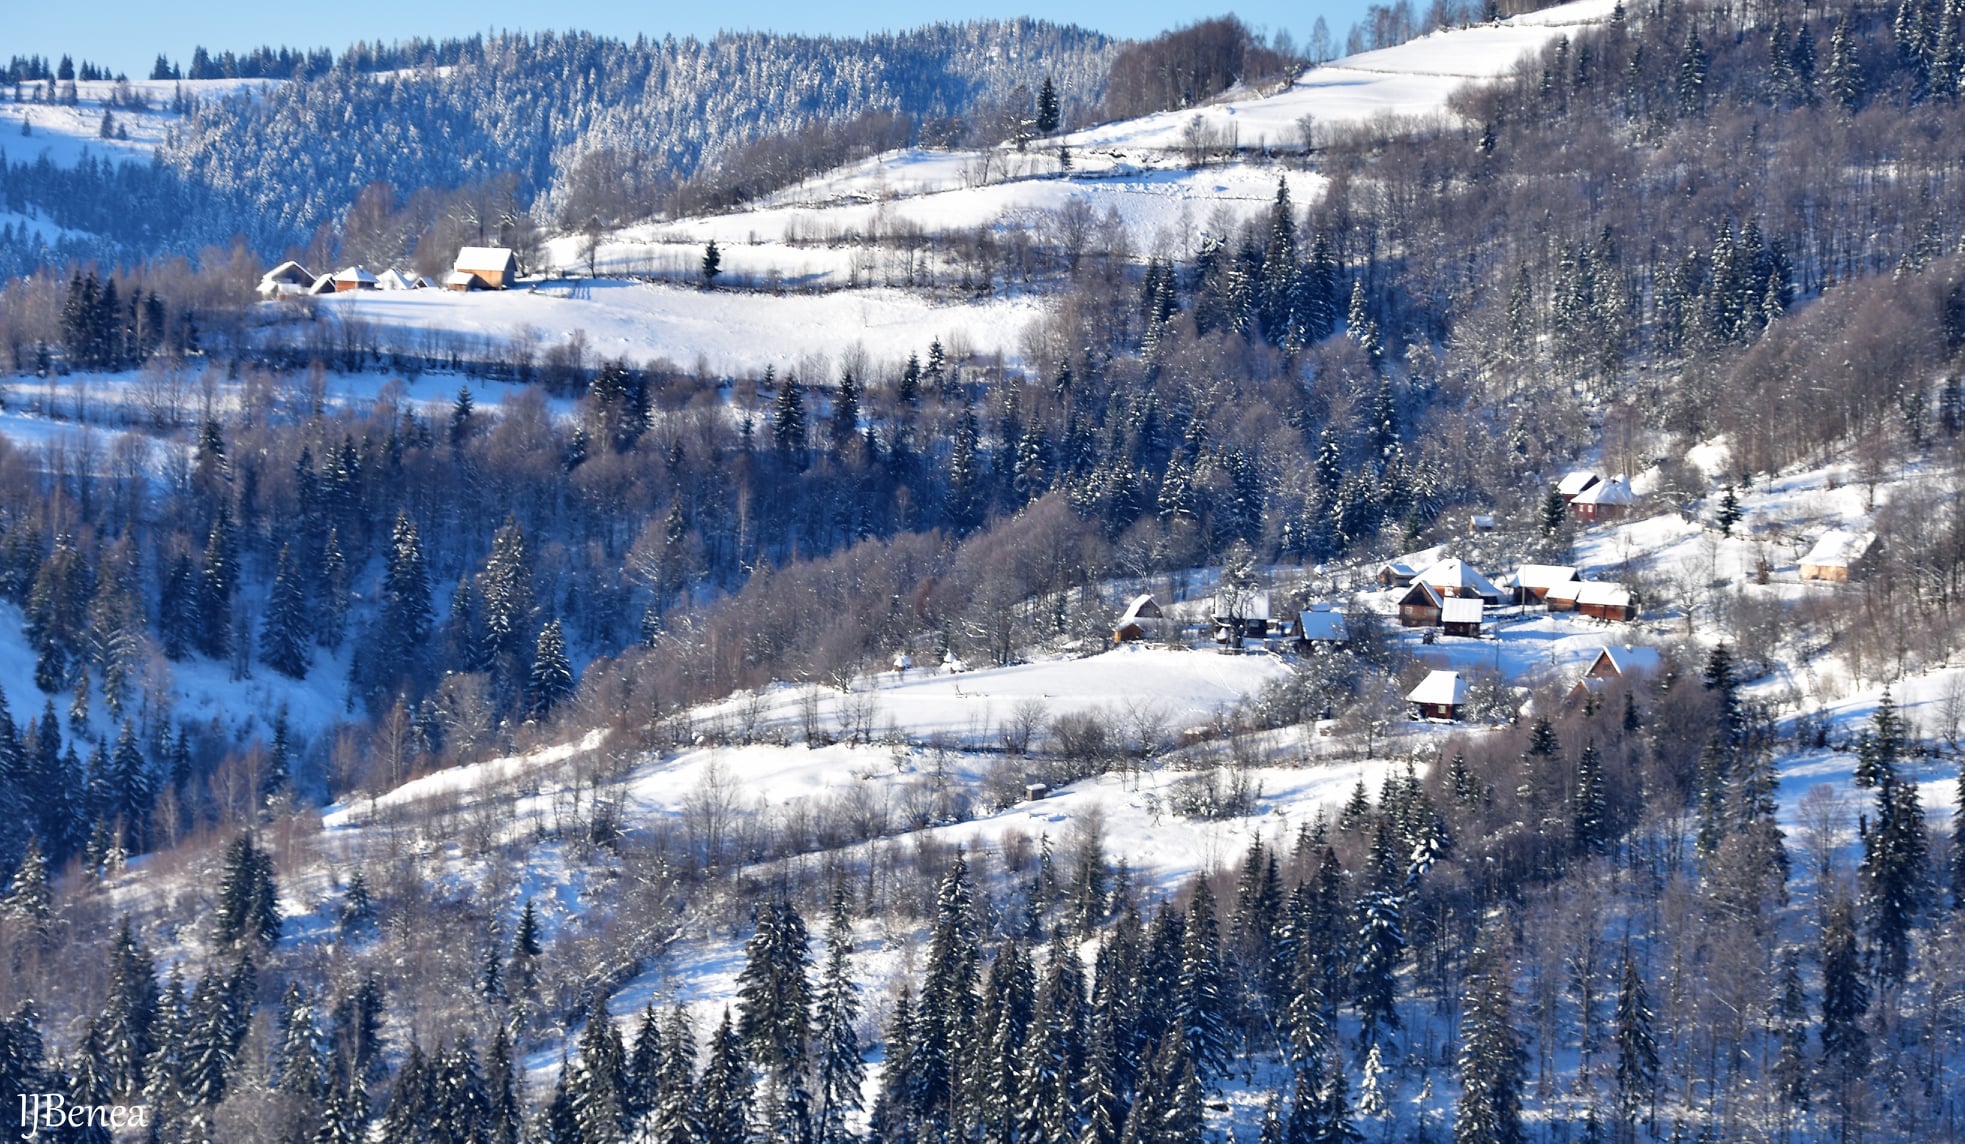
<point x="1605" y="500"/>
<point x="1533" y="581"/>
<point x="393" y="279"/>
<point x="1601" y="600"/>
<point x="1440" y="695"/>
<point x="1461" y="616"/>
<point x="495" y="267"/>
<point x="462" y="281"/>
<point x="353" y="278"/>
<point x="287" y="280"/>
<point x="1321" y="628"/>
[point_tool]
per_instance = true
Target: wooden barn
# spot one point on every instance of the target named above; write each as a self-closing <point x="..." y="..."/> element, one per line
<point x="1609" y="666"/>
<point x="1574" y="484"/>
<point x="1420" y="606"/>
<point x="462" y="281"/>
<point x="1532" y="581"/>
<point x="1440" y="695"/>
<point x="353" y="278"/>
<point x="1462" y="615"/>
<point x="1318" y="628"/>
<point x="1837" y="555"/>
<point x="1605" y="500"/>
<point x="1138" y="620"/>
<point x="495" y="267"/>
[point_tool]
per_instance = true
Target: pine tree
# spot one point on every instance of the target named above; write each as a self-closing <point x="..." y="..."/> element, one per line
<point x="598" y="1082"/>
<point x="676" y="1118"/>
<point x="285" y="634"/>
<point x="1843" y="79"/>
<point x="129" y="1014"/>
<point x="552" y="673"/>
<point x="788" y="421"/>
<point x="506" y="603"/>
<point x="1381" y="946"/>
<point x="1202" y="1005"/>
<point x="1894" y="874"/>
<point x="1637" y="1047"/>
<point x="1729" y="510"/>
<point x="1789" y="1014"/>
<point x="298" y="1067"/>
<point x="845" y="425"/>
<point x="1958" y="843"/>
<point x="29" y="901"/>
<point x="841" y="1072"/>
<point x="1845" y="1001"/>
<point x="218" y="578"/>
<point x="403" y="628"/>
<point x="643" y="1071"/>
<point x="331" y="591"/>
<point x="712" y="264"/>
<point x="248" y="909"/>
<point x="774" y="992"/>
<point x="1492" y="1061"/>
<point x="1589" y="814"/>
<point x="506" y="1121"/>
<point x="130" y="786"/>
<point x="726" y="1087"/>
<point x="1048" y="117"/>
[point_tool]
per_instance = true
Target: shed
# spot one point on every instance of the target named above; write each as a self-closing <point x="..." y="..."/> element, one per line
<point x="1602" y="600"/>
<point x="1461" y="616"/>
<point x="1321" y="628"/>
<point x="353" y="278"/>
<point x="288" y="279"/>
<point x="1573" y="484"/>
<point x="1420" y="606"/>
<point x="495" y="267"/>
<point x="322" y="285"/>
<point x="1837" y="555"/>
<point x="1605" y="500"/>
<point x="462" y="280"/>
<point x="1533" y="581"/>
<point x="1136" y="622"/>
<point x="1452" y="577"/>
<point x="1440" y="695"/>
<point x="393" y="279"/>
<point x="1480" y="522"/>
<point x="425" y="282"/>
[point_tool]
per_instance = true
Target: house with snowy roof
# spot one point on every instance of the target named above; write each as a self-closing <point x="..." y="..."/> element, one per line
<point x="1440" y="695"/>
<point x="1452" y="577"/>
<point x="1462" y="615"/>
<point x="1609" y="666"/>
<point x="287" y="280"/>
<point x="1321" y="628"/>
<point x="1605" y="500"/>
<point x="1141" y="617"/>
<point x="353" y="278"/>
<point x="1573" y="484"/>
<point x="495" y="267"/>
<point x="1837" y="555"/>
<point x="1531" y="582"/>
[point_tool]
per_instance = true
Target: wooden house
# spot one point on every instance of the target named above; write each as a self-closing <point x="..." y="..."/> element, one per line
<point x="1597" y="599"/>
<point x="287" y="280"/>
<point x="1440" y="695"/>
<point x="1420" y="606"/>
<point x="1608" y="667"/>
<point x="1450" y="578"/>
<point x="495" y="267"/>
<point x="1396" y="573"/>
<point x="353" y="278"/>
<point x="1240" y="615"/>
<point x="1138" y="620"/>
<point x="1531" y="582"/>
<point x="1573" y="484"/>
<point x="1318" y="628"/>
<point x="393" y="279"/>
<point x="1462" y="615"/>
<point x="323" y="285"/>
<point x="462" y="281"/>
<point x="1837" y="555"/>
<point x="1605" y="500"/>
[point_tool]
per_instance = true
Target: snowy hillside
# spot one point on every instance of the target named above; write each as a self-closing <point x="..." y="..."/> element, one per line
<point x="62" y="133"/>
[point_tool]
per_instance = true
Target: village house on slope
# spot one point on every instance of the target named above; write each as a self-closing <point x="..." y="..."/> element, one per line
<point x="1597" y="599"/>
<point x="1609" y="666"/>
<point x="494" y="268"/>
<point x="1461" y="616"/>
<point x="1419" y="606"/>
<point x="1531" y="582"/>
<point x="1238" y="616"/>
<point x="1453" y="577"/>
<point x="1141" y="617"/>
<point x="287" y="280"/>
<point x="1605" y="500"/>
<point x="1440" y="695"/>
<point x="1321" y="628"/>
<point x="1837" y="555"/>
<point x="353" y="278"/>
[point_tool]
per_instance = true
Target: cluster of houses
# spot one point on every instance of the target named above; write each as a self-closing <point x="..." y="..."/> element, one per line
<point x="1233" y="623"/>
<point x="1454" y="596"/>
<point x="1442" y="695"/>
<point x="476" y="268"/>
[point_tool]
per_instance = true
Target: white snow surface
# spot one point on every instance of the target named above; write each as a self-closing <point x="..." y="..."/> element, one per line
<point x="63" y="133"/>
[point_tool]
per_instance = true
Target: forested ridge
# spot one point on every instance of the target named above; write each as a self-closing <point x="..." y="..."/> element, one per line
<point x="1587" y="925"/>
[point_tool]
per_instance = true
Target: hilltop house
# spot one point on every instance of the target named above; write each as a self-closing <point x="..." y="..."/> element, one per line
<point x="494" y="267"/>
<point x="1452" y="578"/>
<point x="1532" y="582"/>
<point x="1608" y="667"/>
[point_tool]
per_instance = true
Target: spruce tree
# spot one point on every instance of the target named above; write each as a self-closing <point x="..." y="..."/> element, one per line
<point x="1492" y="1061"/>
<point x="248" y="909"/>
<point x="1894" y="874"/>
<point x="285" y="634"/>
<point x="1637" y="1047"/>
<point x="552" y="672"/>
<point x="1845" y="1002"/>
<point x="676" y="1115"/>
<point x="726" y="1087"/>
<point x="1202" y="1005"/>
<point x="1047" y="107"/>
<point x="841" y="1072"/>
<point x="643" y="1070"/>
<point x="788" y="421"/>
<point x="774" y="991"/>
<point x="1381" y="946"/>
<point x="598" y="1083"/>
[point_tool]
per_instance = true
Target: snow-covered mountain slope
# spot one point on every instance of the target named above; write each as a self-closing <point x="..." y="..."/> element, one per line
<point x="63" y="133"/>
<point x="867" y="222"/>
<point x="729" y="331"/>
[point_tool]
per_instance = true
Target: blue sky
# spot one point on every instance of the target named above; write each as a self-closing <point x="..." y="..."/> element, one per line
<point x="124" y="35"/>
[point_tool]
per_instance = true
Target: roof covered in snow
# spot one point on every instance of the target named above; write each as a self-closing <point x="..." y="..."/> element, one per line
<point x="1839" y="548"/>
<point x="354" y="274"/>
<point x="1616" y="490"/>
<point x="1544" y="575"/>
<point x="1323" y="626"/>
<point x="1461" y="610"/>
<point x="1603" y="593"/>
<point x="1440" y="687"/>
<point x="1140" y="607"/>
<point x="486" y="258"/>
<point x="393" y="279"/>
<point x="1576" y="482"/>
<point x="1458" y="574"/>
